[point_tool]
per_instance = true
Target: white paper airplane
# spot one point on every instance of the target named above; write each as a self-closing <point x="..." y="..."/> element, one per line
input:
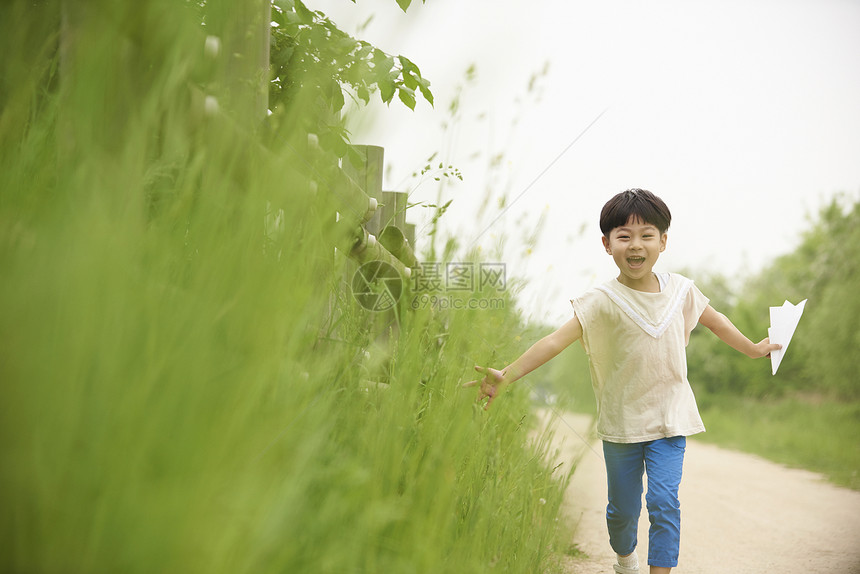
<point x="783" y="322"/>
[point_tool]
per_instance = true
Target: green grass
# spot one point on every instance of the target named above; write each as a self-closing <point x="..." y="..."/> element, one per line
<point x="184" y="390"/>
<point x="819" y="435"/>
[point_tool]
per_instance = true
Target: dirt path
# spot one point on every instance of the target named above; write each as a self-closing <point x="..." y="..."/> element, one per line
<point x="741" y="514"/>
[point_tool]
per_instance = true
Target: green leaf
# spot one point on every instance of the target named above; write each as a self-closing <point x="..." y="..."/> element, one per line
<point x="307" y="17"/>
<point x="292" y="18"/>
<point x="335" y="138"/>
<point x="383" y="64"/>
<point x="278" y="16"/>
<point x="404" y="4"/>
<point x="337" y="98"/>
<point x="379" y="57"/>
<point x="281" y="57"/>
<point x="363" y="50"/>
<point x="409" y="80"/>
<point x="341" y="145"/>
<point x="344" y="44"/>
<point x="386" y="90"/>
<point x="363" y="93"/>
<point x="356" y="157"/>
<point x="425" y="91"/>
<point x="407" y="96"/>
<point x="408" y="65"/>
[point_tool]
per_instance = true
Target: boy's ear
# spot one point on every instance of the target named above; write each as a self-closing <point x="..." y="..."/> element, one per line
<point x="663" y="239"/>
<point x="606" y="244"/>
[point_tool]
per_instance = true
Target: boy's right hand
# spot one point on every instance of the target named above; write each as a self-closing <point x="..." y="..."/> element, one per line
<point x="490" y="385"/>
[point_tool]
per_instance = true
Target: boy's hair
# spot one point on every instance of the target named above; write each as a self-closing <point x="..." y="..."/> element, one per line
<point x="634" y="202"/>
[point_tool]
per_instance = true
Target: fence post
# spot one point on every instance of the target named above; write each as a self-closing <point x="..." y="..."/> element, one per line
<point x="368" y="176"/>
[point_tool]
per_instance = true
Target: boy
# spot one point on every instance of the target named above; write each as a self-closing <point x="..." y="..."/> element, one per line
<point x="635" y="329"/>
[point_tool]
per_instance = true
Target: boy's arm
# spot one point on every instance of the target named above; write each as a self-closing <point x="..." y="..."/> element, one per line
<point x="538" y="354"/>
<point x="720" y="325"/>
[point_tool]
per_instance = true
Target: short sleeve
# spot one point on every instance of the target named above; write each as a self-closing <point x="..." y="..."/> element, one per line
<point x="585" y="306"/>
<point x="694" y="305"/>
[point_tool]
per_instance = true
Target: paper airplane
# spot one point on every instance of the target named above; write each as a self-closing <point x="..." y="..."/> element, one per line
<point x="783" y="322"/>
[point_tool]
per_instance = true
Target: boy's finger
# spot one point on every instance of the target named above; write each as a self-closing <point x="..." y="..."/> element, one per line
<point x="490" y="399"/>
<point x="470" y="384"/>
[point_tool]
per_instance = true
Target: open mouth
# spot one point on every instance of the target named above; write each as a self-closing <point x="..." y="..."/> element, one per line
<point x="635" y="261"/>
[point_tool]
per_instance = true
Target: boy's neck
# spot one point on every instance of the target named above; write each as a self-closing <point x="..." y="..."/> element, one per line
<point x="647" y="284"/>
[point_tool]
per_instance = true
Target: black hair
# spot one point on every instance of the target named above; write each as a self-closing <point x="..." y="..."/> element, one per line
<point x="640" y="203"/>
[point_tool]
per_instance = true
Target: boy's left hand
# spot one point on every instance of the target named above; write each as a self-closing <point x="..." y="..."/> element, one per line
<point x="764" y="347"/>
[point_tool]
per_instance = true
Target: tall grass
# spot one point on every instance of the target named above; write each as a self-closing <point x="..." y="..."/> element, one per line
<point x="182" y="392"/>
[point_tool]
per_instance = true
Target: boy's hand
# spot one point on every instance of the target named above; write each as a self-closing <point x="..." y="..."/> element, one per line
<point x="490" y="385"/>
<point x="764" y="347"/>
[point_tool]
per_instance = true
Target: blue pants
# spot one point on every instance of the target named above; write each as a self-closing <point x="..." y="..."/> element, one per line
<point x="662" y="460"/>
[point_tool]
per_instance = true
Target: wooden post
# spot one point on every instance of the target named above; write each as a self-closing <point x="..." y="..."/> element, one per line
<point x="394" y="210"/>
<point x="357" y="205"/>
<point x="394" y="240"/>
<point x="368" y="175"/>
<point x="409" y="233"/>
<point x="244" y="28"/>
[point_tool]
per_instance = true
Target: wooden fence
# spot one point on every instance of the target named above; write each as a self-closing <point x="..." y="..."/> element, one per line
<point x="384" y="234"/>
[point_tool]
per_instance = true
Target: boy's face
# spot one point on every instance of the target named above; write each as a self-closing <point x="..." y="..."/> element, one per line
<point x="635" y="247"/>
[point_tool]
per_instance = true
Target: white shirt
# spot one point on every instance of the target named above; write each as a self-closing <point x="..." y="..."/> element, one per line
<point x="636" y="343"/>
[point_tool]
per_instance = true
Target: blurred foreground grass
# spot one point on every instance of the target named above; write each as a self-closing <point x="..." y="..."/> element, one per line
<point x="183" y="391"/>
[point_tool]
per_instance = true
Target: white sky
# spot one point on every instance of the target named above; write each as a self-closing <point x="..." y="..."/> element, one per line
<point x="743" y="115"/>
